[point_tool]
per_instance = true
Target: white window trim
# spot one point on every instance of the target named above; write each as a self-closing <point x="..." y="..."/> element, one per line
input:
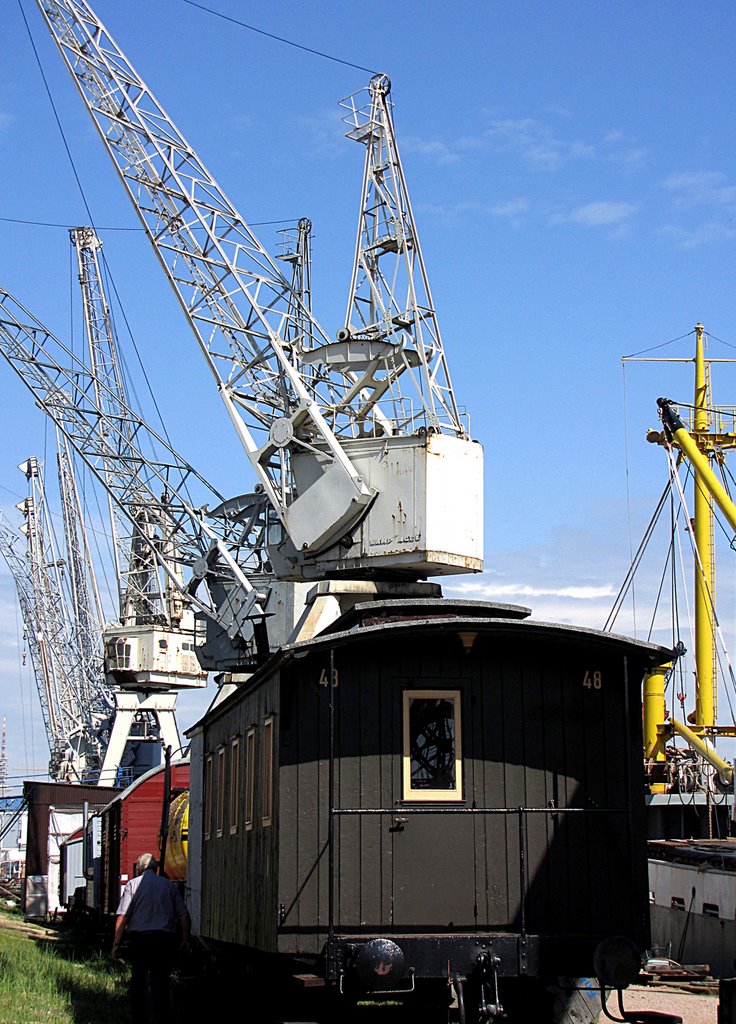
<point x="410" y="794"/>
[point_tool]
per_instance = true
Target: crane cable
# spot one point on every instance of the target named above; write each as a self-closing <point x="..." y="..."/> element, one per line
<point x="636" y="561"/>
<point x="280" y="39"/>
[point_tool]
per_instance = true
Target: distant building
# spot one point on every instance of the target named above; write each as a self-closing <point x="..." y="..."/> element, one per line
<point x="55" y="810"/>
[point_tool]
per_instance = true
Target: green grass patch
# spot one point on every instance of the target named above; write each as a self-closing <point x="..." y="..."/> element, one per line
<point x="53" y="981"/>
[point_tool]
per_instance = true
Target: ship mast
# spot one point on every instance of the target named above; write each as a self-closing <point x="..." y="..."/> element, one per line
<point x="703" y="446"/>
<point x="706" y="693"/>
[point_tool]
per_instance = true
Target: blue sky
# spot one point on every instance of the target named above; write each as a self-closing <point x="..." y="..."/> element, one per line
<point x="573" y="173"/>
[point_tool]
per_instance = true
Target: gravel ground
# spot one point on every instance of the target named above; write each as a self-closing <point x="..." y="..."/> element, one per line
<point x="694" y="1008"/>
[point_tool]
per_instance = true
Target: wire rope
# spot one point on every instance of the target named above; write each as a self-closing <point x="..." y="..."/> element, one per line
<point x="280" y="39"/>
<point x="628" y="489"/>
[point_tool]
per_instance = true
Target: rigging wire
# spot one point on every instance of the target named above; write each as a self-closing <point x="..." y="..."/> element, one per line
<point x="53" y="224"/>
<point x="110" y="280"/>
<point x="652" y="348"/>
<point x="718" y="633"/>
<point x="682" y="509"/>
<point x="720" y="341"/>
<point x="70" y="227"/>
<point x="56" y="115"/>
<point x="628" y="581"/>
<point x="668" y="567"/>
<point x="628" y="488"/>
<point x="280" y="39"/>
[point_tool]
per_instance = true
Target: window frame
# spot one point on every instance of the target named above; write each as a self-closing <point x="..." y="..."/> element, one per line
<point x="267" y="767"/>
<point x="250" y="772"/>
<point x="207" y="795"/>
<point x="220" y="803"/>
<point x="428" y="795"/>
<point x="234" y="800"/>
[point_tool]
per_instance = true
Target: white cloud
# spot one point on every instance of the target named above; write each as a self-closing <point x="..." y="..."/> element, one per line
<point x="432" y="149"/>
<point x="622" y="153"/>
<point x="707" y="233"/>
<point x="701" y="188"/>
<point x="584" y="605"/>
<point x="599" y="214"/>
<point x="491" y="591"/>
<point x="536" y="143"/>
<point x="510" y="208"/>
<point x="596" y="214"/>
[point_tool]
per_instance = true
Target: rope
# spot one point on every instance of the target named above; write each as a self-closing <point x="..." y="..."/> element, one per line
<point x="280" y="39"/>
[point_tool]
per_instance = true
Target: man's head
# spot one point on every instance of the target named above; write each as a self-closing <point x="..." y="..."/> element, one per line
<point x="146" y="862"/>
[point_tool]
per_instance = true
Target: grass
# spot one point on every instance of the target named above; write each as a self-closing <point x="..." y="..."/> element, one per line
<point x="47" y="980"/>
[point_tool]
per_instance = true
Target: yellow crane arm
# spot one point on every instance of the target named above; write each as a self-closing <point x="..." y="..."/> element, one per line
<point x="686" y="443"/>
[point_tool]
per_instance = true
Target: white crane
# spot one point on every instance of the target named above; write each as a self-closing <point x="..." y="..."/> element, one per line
<point x="220" y="550"/>
<point x="75" y="705"/>
<point x="143" y="650"/>
<point x="85" y="606"/>
<point x="357" y="443"/>
<point x="144" y="597"/>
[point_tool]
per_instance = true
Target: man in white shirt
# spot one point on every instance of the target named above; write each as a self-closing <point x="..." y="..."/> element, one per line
<point x="150" y="914"/>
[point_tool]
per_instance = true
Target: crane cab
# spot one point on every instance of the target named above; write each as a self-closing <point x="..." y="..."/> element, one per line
<point x="152" y="657"/>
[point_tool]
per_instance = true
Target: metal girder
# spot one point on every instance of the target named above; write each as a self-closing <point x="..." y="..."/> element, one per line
<point x="225" y="552"/>
<point x="142" y="592"/>
<point x="315" y="417"/>
<point x="247" y="320"/>
<point x="74" y="703"/>
<point x="86" y="609"/>
<point x="390" y="310"/>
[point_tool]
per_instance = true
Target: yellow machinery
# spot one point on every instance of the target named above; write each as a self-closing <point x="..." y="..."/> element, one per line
<point x="702" y="447"/>
<point x="178" y="838"/>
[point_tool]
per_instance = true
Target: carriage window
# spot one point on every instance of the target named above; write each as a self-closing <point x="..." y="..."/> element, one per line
<point x="250" y="770"/>
<point x="267" y="808"/>
<point x="208" y="796"/>
<point x="234" y="784"/>
<point x="220" y="789"/>
<point x="432" y="745"/>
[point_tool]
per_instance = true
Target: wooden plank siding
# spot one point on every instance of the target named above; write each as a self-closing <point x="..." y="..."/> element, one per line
<point x="534" y="735"/>
<point x="239" y="867"/>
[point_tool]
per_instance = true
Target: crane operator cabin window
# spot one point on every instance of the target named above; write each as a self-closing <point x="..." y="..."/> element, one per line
<point x="432" y="745"/>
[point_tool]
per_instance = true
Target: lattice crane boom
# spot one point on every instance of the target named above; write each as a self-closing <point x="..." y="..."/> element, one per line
<point x="144" y="597"/>
<point x="390" y="304"/>
<point x="225" y="552"/>
<point x="356" y="443"/>
<point x="238" y="302"/>
<point x="14" y="551"/>
<point x="74" y="704"/>
<point x="86" y="608"/>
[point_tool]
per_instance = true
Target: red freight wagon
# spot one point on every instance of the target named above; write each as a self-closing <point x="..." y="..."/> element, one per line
<point x="131" y="825"/>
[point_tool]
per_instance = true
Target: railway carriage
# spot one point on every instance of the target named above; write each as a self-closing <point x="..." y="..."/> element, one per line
<point x="432" y="798"/>
<point x="105" y="850"/>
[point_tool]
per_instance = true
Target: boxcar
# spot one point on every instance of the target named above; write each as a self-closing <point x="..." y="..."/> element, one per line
<point x="131" y="825"/>
<point x="72" y="887"/>
<point x="430" y="792"/>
